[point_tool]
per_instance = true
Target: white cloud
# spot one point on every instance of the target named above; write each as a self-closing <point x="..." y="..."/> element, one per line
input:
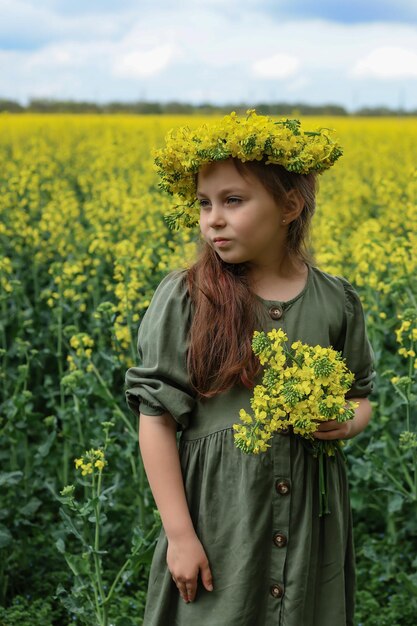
<point x="70" y="55"/>
<point x="298" y="83"/>
<point x="386" y="63"/>
<point x="143" y="63"/>
<point x="26" y="22"/>
<point x="207" y="54"/>
<point x="276" y="66"/>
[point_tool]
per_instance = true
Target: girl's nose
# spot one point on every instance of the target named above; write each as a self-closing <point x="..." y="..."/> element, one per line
<point x="216" y="217"/>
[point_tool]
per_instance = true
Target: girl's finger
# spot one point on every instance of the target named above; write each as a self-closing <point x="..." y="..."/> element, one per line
<point x="190" y="592"/>
<point x="329" y="434"/>
<point x="206" y="577"/>
<point x="185" y="591"/>
<point x="331" y="425"/>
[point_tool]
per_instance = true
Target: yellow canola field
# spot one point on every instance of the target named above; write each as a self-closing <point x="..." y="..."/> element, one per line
<point x="81" y="216"/>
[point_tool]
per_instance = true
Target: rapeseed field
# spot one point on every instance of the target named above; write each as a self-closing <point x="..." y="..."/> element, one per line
<point x="83" y="246"/>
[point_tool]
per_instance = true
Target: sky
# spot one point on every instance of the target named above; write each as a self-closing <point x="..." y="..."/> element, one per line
<point x="353" y="53"/>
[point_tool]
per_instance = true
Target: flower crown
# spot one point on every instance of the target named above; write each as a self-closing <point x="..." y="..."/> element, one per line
<point x="251" y="138"/>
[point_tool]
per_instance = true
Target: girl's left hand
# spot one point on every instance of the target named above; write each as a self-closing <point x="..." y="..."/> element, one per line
<point x="346" y="430"/>
<point x="334" y="430"/>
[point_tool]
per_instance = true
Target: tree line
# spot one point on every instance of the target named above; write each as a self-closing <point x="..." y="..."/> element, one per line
<point x="141" y="107"/>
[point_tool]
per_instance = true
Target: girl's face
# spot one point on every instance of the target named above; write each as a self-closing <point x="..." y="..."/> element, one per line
<point x="238" y="216"/>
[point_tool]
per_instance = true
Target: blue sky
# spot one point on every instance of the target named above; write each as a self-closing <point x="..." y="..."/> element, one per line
<point x="356" y="53"/>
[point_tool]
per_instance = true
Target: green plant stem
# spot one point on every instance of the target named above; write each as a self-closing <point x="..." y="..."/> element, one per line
<point x="116" y="407"/>
<point x="96" y="608"/>
<point x="139" y="477"/>
<point x="59" y="353"/>
<point x="4" y="582"/>
<point x="123" y="568"/>
<point x="133" y="466"/>
<point x="394" y="450"/>
<point x="97" y="602"/>
<point x="27" y="473"/>
<point x="391" y="527"/>
<point x="141" y="493"/>
<point x="408" y="394"/>
<point x="415" y="472"/>
<point x="129" y="314"/>
<point x="4" y="346"/>
<point x="392" y="479"/>
<point x="411" y="296"/>
<point x="291" y="355"/>
<point x="408" y="414"/>
<point x="77" y="418"/>
<point x="97" y="558"/>
<point x="35" y="283"/>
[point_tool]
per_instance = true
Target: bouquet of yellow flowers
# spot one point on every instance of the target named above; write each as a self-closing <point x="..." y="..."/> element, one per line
<point x="301" y="387"/>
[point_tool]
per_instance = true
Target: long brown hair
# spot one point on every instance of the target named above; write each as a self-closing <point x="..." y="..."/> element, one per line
<point x="226" y="311"/>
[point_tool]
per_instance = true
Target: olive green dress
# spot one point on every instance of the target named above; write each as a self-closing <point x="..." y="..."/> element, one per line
<point x="274" y="561"/>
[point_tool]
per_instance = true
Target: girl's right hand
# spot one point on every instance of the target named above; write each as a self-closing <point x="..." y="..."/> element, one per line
<point x="185" y="559"/>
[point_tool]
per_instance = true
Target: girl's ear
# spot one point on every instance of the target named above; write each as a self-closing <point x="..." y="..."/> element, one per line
<point x="294" y="205"/>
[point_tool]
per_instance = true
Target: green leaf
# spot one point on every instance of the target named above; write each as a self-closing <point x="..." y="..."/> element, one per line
<point x="70" y="527"/>
<point x="78" y="602"/>
<point x="10" y="478"/>
<point x="30" y="507"/>
<point x="125" y="621"/>
<point x="78" y="564"/>
<point x="395" y="503"/>
<point x="60" y="545"/>
<point x="5" y="536"/>
<point x="408" y="583"/>
<point x="45" y="447"/>
<point x="86" y="509"/>
<point x="145" y="557"/>
<point x="102" y="519"/>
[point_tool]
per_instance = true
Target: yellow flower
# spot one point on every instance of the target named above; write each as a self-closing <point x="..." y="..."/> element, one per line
<point x="75" y="342"/>
<point x="91" y="459"/>
<point x="87" y="468"/>
<point x="99" y="464"/>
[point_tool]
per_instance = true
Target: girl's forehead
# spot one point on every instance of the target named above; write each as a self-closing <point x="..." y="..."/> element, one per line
<point x="218" y="172"/>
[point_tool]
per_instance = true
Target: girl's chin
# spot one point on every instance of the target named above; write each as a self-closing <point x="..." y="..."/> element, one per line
<point x="234" y="259"/>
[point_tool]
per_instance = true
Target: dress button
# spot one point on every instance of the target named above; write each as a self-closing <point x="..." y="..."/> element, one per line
<point x="280" y="540"/>
<point x="276" y="591"/>
<point x="275" y="312"/>
<point x="283" y="487"/>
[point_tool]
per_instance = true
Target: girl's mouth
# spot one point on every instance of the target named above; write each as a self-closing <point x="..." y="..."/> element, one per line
<point x="220" y="241"/>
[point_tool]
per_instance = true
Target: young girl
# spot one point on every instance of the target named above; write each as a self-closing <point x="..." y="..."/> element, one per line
<point x="242" y="542"/>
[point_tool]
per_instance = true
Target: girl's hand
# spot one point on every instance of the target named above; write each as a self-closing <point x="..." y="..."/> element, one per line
<point x="334" y="430"/>
<point x="186" y="558"/>
<point x="349" y="429"/>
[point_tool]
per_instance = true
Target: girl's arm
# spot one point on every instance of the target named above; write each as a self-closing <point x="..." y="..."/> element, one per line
<point x="347" y="430"/>
<point x="185" y="555"/>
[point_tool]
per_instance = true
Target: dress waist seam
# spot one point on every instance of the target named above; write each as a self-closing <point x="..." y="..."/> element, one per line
<point x="215" y="432"/>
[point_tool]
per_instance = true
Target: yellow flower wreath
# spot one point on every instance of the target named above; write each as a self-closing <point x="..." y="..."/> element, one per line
<point x="251" y="138"/>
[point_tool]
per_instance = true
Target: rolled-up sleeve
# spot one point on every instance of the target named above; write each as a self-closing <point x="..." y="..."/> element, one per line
<point x="160" y="382"/>
<point x="357" y="349"/>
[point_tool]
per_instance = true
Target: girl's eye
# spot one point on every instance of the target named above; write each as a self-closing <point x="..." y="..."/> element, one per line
<point x="204" y="204"/>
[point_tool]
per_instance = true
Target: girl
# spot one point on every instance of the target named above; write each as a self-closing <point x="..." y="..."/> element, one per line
<point x="242" y="543"/>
